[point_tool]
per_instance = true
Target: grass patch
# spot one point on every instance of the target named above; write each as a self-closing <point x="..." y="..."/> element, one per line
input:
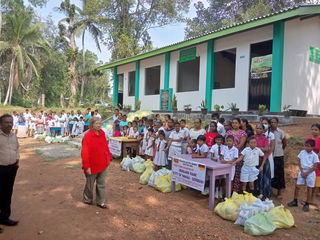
<point x="44" y="157"/>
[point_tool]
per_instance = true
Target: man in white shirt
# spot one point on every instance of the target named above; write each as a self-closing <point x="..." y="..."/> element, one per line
<point x="220" y="128"/>
<point x="116" y="115"/>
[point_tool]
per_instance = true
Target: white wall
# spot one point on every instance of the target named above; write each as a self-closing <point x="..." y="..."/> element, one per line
<point x="150" y="102"/>
<point x="125" y="69"/>
<point x="242" y="42"/>
<point x="195" y="97"/>
<point x="301" y="78"/>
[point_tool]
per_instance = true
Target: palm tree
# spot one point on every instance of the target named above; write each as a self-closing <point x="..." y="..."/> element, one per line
<point x="22" y="42"/>
<point x="90" y="21"/>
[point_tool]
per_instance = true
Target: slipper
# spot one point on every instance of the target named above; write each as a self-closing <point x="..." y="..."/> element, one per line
<point x="103" y="206"/>
<point x="88" y="203"/>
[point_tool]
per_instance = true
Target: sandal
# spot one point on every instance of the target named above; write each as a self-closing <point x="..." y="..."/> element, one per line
<point x="103" y="206"/>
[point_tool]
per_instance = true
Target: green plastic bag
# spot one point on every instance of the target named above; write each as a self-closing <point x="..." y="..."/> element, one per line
<point x="228" y="209"/>
<point x="138" y="167"/>
<point x="260" y="224"/>
<point x="145" y="176"/>
<point x="281" y="217"/>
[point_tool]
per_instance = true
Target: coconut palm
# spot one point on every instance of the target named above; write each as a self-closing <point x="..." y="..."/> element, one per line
<point x="22" y="41"/>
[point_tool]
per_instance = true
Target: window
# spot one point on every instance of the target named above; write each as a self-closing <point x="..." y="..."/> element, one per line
<point x="225" y="69"/>
<point x="131" y="83"/>
<point x="152" y="82"/>
<point x="188" y="75"/>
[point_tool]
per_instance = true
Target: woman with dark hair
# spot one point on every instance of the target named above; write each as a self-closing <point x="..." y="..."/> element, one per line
<point x="240" y="138"/>
<point x="197" y="130"/>
<point x="278" y="182"/>
<point x="247" y="127"/>
<point x="96" y="158"/>
<point x="270" y="136"/>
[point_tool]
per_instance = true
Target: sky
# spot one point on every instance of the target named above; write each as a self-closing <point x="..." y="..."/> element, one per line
<point x="160" y="36"/>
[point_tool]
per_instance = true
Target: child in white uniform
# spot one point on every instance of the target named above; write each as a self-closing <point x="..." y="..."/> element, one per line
<point x="150" y="142"/>
<point x="249" y="171"/>
<point x="202" y="148"/>
<point x="217" y="149"/>
<point x="306" y="176"/>
<point x="230" y="154"/>
<point x="160" y="159"/>
<point x="175" y="142"/>
<point x="135" y="133"/>
<point x="185" y="132"/>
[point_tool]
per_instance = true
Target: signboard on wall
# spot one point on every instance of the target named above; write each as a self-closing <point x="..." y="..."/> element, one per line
<point x="165" y="99"/>
<point x="261" y="66"/>
<point x="314" y="55"/>
<point x="188" y="54"/>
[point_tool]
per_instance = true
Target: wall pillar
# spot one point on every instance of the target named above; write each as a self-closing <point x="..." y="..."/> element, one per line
<point x="277" y="67"/>
<point x="209" y="74"/>
<point x="167" y="62"/>
<point x="115" y="86"/>
<point x="137" y="82"/>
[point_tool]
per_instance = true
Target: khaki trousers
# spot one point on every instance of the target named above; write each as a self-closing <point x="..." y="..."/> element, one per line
<point x="99" y="178"/>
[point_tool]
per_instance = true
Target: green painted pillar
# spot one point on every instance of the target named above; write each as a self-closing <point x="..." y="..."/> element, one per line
<point x="209" y="74"/>
<point x="115" y="85"/>
<point x="277" y="67"/>
<point x="137" y="81"/>
<point x="167" y="70"/>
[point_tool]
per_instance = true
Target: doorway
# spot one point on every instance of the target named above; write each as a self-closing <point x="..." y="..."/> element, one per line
<point x="120" y="90"/>
<point x="260" y="74"/>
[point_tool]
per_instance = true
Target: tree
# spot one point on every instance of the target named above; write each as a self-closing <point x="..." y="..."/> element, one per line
<point x="68" y="28"/>
<point x="128" y="22"/>
<point x="91" y="22"/>
<point x="226" y="12"/>
<point x="22" y="42"/>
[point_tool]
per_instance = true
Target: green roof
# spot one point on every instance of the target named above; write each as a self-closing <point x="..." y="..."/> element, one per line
<point x="293" y="12"/>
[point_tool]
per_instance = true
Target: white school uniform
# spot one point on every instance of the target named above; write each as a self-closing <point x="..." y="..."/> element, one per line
<point x="149" y="148"/>
<point x="15" y="122"/>
<point x="230" y="154"/>
<point x="160" y="158"/>
<point x="77" y="128"/>
<point x="175" y="147"/>
<point x="270" y="137"/>
<point x="215" y="151"/>
<point x="307" y="162"/>
<point x="249" y="172"/>
<point x="133" y="134"/>
<point x="194" y="134"/>
<point x="184" y="144"/>
<point x="201" y="150"/>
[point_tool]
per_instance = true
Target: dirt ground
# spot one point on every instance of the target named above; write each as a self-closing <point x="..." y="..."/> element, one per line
<point x="48" y="193"/>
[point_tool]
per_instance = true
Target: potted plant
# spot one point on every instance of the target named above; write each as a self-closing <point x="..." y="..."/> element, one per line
<point x="127" y="108"/>
<point x="286" y="111"/>
<point x="137" y="105"/>
<point x="204" y="109"/>
<point x="174" y="104"/>
<point x="234" y="109"/>
<point x="218" y="108"/>
<point x="187" y="108"/>
<point x="262" y="108"/>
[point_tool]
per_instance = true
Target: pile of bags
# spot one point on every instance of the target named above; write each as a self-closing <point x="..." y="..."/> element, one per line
<point x="258" y="217"/>
<point x="136" y="164"/>
<point x="48" y="139"/>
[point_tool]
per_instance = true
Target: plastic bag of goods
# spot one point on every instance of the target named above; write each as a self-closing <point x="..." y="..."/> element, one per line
<point x="145" y="176"/>
<point x="48" y="139"/>
<point x="164" y="183"/>
<point x="259" y="224"/>
<point x="228" y="209"/>
<point x="126" y="163"/>
<point x="246" y="198"/>
<point x="148" y="163"/>
<point x="281" y="217"/>
<point x="138" y="167"/>
<point x="265" y="206"/>
<point x="161" y="172"/>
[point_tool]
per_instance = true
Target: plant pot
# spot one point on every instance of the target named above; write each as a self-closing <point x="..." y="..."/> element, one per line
<point x="260" y="113"/>
<point x="287" y="114"/>
<point x="204" y="111"/>
<point x="175" y="110"/>
<point x="187" y="110"/>
<point x="235" y="111"/>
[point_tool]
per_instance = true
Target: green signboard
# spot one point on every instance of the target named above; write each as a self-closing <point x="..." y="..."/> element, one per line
<point x="261" y="64"/>
<point x="314" y="55"/>
<point x="188" y="54"/>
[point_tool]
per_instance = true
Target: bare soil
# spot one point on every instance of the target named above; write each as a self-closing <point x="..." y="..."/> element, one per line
<point x="48" y="193"/>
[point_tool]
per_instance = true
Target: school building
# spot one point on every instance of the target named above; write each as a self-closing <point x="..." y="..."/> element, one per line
<point x="272" y="60"/>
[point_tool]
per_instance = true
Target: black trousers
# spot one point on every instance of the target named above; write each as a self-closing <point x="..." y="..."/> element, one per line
<point x="7" y="177"/>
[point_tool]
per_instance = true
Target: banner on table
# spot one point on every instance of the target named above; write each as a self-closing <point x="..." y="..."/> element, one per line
<point x="191" y="174"/>
<point x="115" y="146"/>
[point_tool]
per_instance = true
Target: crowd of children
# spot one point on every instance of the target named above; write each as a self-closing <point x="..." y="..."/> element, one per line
<point x="71" y="123"/>
<point x="256" y="154"/>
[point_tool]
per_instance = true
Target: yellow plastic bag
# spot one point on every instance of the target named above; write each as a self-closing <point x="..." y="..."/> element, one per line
<point x="163" y="183"/>
<point x="259" y="224"/>
<point x="281" y="217"/>
<point x="145" y="176"/>
<point x="247" y="198"/>
<point x="228" y="209"/>
<point x="148" y="163"/>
